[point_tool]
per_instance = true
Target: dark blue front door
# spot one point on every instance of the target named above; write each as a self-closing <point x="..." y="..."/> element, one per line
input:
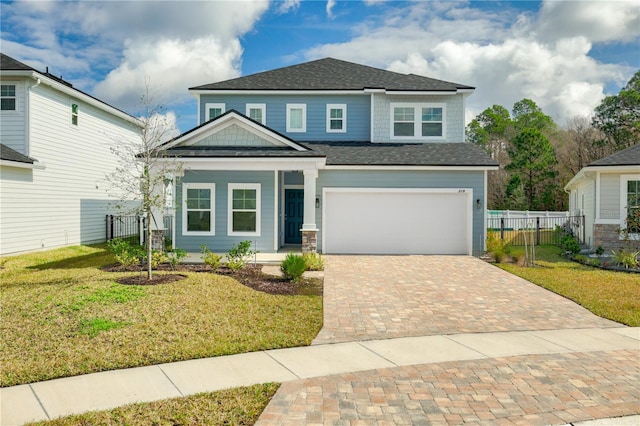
<point x="293" y="208"/>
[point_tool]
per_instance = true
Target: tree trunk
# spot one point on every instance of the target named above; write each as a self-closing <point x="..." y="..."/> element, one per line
<point x="149" y="245"/>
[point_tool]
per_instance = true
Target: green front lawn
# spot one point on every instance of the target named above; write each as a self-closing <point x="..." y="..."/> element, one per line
<point x="63" y="316"/>
<point x="609" y="294"/>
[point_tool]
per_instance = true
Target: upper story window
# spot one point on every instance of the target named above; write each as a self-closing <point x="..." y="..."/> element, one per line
<point x="8" y="97"/>
<point x="75" y="109"/>
<point x="336" y="118"/>
<point x="198" y="214"/>
<point x="213" y="110"/>
<point x="296" y="117"/>
<point x="257" y="112"/>
<point x="417" y="121"/>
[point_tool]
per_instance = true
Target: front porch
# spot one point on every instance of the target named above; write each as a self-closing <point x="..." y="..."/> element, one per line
<point x="261" y="258"/>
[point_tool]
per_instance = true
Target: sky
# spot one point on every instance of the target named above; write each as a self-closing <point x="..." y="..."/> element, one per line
<point x="564" y="55"/>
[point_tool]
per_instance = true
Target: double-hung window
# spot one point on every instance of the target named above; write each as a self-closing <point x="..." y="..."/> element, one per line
<point x="75" y="110"/>
<point x="198" y="214"/>
<point x="8" y="97"/>
<point x="336" y="118"/>
<point x="244" y="209"/>
<point x="296" y="118"/>
<point x="417" y="121"/>
<point x="212" y="110"/>
<point x="257" y="112"/>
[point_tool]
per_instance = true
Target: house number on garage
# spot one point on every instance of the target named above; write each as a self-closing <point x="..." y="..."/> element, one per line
<point x="462" y="190"/>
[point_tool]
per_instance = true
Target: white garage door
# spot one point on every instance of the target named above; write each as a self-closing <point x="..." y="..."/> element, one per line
<point x="396" y="221"/>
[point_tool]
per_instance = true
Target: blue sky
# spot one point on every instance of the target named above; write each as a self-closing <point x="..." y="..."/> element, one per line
<point x="565" y="55"/>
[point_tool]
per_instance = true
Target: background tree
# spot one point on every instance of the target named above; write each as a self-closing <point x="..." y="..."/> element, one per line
<point x="533" y="163"/>
<point x="618" y="116"/>
<point x="139" y="179"/>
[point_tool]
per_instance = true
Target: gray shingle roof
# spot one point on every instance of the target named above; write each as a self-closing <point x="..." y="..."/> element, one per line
<point x="626" y="157"/>
<point x="8" y="63"/>
<point x="333" y="74"/>
<point x="401" y="154"/>
<point x="9" y="154"/>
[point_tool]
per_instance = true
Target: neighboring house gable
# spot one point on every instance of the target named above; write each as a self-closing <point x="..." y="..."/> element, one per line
<point x="607" y="192"/>
<point x="55" y="156"/>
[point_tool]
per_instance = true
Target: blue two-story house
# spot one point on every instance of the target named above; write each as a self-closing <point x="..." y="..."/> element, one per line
<point x="332" y="156"/>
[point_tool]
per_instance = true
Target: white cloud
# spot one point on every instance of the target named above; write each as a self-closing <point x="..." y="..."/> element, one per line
<point x="287" y="6"/>
<point x="330" y="6"/>
<point x="507" y="56"/>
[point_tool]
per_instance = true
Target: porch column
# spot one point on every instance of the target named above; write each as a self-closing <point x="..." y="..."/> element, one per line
<point x="309" y="228"/>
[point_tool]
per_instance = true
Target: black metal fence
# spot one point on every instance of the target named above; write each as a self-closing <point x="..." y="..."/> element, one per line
<point x="132" y="228"/>
<point x="537" y="230"/>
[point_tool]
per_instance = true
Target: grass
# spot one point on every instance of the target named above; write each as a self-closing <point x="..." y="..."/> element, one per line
<point x="609" y="294"/>
<point x="63" y="316"/>
<point x="239" y="406"/>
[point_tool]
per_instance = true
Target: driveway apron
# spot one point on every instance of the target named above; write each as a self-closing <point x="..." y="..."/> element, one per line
<point x="378" y="297"/>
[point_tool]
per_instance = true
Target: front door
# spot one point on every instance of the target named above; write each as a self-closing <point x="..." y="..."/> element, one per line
<point x="293" y="208"/>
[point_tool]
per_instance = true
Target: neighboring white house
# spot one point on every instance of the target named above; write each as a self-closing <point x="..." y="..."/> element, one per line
<point x="606" y="192"/>
<point x="55" y="142"/>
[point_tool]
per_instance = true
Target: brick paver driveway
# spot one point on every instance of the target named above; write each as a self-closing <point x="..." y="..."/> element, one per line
<point x="378" y="297"/>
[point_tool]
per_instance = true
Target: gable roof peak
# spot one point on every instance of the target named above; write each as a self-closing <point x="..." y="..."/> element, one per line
<point x="333" y="74"/>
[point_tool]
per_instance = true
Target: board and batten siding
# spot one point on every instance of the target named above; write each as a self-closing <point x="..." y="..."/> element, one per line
<point x="221" y="242"/>
<point x="410" y="179"/>
<point x="454" y="110"/>
<point x="610" y="196"/>
<point x="66" y="202"/>
<point x="358" y="113"/>
<point x="13" y="124"/>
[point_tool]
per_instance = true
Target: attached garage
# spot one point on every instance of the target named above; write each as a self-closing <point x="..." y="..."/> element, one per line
<point x="397" y="221"/>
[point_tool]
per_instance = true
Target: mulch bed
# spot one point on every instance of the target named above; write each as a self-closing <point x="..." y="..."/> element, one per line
<point x="250" y="276"/>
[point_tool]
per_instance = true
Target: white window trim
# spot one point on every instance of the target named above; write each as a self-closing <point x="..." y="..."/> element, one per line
<point x="303" y="107"/>
<point x="342" y="107"/>
<point x="233" y="186"/>
<point x="210" y="105"/>
<point x="73" y="102"/>
<point x="417" y="122"/>
<point x="14" y="97"/>
<point x="624" y="180"/>
<point x="210" y="186"/>
<point x="262" y="107"/>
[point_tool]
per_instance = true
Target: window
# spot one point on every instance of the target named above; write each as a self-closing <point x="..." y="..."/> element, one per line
<point x="417" y="121"/>
<point x="74" y="114"/>
<point x="213" y="110"/>
<point x="8" y="97"/>
<point x="198" y="215"/>
<point x="336" y="118"/>
<point x="257" y="112"/>
<point x="244" y="210"/>
<point x="296" y="118"/>
<point x="632" y="219"/>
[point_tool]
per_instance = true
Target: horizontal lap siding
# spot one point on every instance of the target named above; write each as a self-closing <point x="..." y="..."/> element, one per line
<point x="410" y="179"/>
<point x="13" y="123"/>
<point x="358" y="113"/>
<point x="66" y="202"/>
<point x="221" y="242"/>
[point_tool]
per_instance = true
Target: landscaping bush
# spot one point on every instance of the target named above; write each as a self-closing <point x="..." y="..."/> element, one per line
<point x="126" y="253"/>
<point x="313" y="261"/>
<point x="570" y="244"/>
<point x="239" y="255"/>
<point x="628" y="259"/>
<point x="210" y="258"/>
<point x="175" y="256"/>
<point x="293" y="266"/>
<point x="497" y="247"/>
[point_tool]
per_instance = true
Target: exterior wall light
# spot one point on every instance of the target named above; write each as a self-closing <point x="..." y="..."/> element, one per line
<point x="317" y="202"/>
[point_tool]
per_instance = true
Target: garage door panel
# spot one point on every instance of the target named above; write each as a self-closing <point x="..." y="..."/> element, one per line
<point x="366" y="222"/>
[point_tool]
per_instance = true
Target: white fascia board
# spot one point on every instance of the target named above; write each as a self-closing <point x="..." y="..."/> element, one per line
<point x="250" y="164"/>
<point x="77" y="94"/>
<point x="585" y="173"/>
<point x="276" y="92"/>
<point x="429" y="92"/>
<point x="434" y="168"/>
<point x="20" y="165"/>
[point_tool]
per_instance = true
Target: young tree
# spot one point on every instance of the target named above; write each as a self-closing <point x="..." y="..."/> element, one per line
<point x="618" y="116"/>
<point x="139" y="179"/>
<point x="533" y="160"/>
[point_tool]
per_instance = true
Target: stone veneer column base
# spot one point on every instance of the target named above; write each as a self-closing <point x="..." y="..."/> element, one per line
<point x="309" y="241"/>
<point x="157" y="239"/>
<point x="608" y="237"/>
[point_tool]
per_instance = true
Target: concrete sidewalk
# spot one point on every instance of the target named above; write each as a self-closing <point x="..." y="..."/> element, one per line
<point x="100" y="391"/>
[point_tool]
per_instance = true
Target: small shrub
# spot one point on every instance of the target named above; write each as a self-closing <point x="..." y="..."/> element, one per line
<point x="599" y="251"/>
<point x="175" y="256"/>
<point x="570" y="244"/>
<point x="210" y="258"/>
<point x="628" y="259"/>
<point x="313" y="261"/>
<point x="158" y="257"/>
<point x="497" y="247"/>
<point x="239" y="255"/>
<point x="126" y="254"/>
<point x="293" y="266"/>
